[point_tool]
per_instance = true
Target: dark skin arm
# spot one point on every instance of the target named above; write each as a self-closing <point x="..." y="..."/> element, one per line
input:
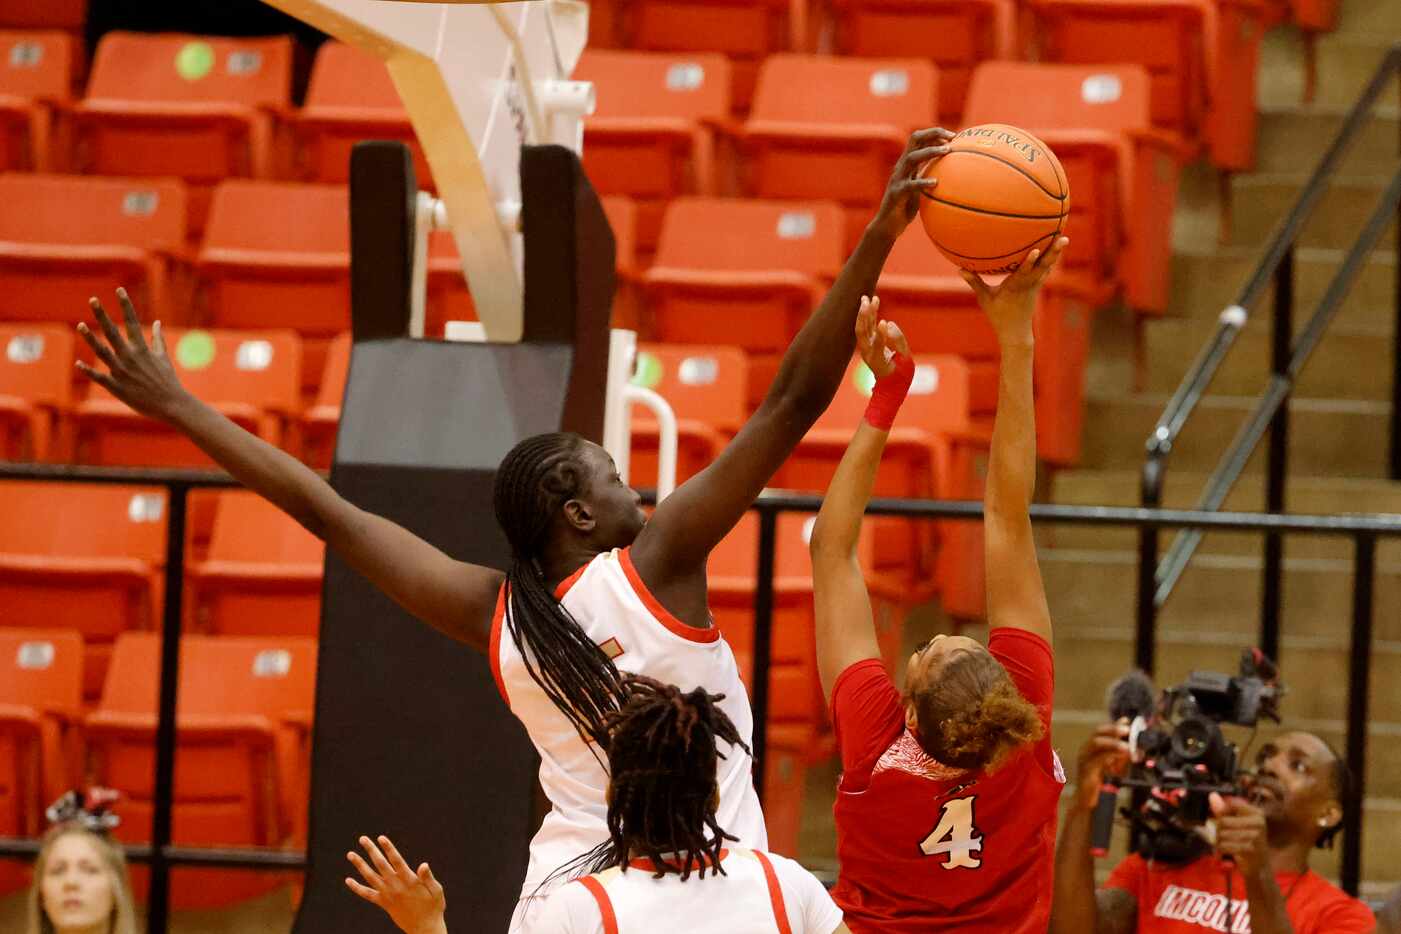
<point x="1241" y="836"/>
<point x="453" y="596"/>
<point x="671" y="551"/>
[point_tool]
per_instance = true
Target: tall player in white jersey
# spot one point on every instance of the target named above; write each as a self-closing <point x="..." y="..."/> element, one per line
<point x="595" y="587"/>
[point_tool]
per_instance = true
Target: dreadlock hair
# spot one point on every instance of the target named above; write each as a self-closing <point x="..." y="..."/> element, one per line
<point x="535" y="479"/>
<point x="662" y="759"/>
<point x="972" y="715"/>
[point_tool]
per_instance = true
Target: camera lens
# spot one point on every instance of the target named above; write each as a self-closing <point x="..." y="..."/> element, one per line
<point x="1193" y="739"/>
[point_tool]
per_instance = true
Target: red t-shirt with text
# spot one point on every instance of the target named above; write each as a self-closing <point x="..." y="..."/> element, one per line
<point x="925" y="847"/>
<point x="1194" y="897"/>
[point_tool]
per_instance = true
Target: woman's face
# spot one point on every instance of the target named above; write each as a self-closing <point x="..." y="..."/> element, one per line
<point x="76" y="889"/>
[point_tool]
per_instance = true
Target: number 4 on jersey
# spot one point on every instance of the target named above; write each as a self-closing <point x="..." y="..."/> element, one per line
<point x="954" y="835"/>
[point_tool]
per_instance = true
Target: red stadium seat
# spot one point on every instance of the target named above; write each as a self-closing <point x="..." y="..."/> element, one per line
<point x="351" y="98"/>
<point x="44" y="14"/>
<point x="653" y="136"/>
<point x="201" y="108"/>
<point x="66" y="238"/>
<point x="449" y="299"/>
<point x="706" y="388"/>
<point x="1122" y="170"/>
<point x="319" y="422"/>
<point x="251" y="377"/>
<point x="744" y="273"/>
<point x="36" y="387"/>
<point x="277" y="255"/>
<point x="956" y="34"/>
<point x="745" y="32"/>
<point x="262" y="576"/>
<point x="35" y="82"/>
<point x="826" y="128"/>
<point x="87" y="558"/>
<point x="241" y="759"/>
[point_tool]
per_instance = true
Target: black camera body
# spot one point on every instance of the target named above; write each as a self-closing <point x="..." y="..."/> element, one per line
<point x="1181" y="755"/>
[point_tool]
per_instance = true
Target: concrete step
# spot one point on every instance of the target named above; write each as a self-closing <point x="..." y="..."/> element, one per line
<point x="1204" y="281"/>
<point x="1349" y="363"/>
<point x="1261" y="201"/>
<point x="1311" y="495"/>
<point x="1314" y="670"/>
<point x="1347" y="59"/>
<point x="1328" y="437"/>
<point x="1370" y="18"/>
<point x="1293" y="138"/>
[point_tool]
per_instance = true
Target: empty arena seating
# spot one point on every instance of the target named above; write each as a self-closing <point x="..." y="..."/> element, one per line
<point x="86" y="558"/>
<point x="66" y="238"/>
<point x="44" y="14"/>
<point x="241" y="756"/>
<point x="745" y="32"/>
<point x="825" y="128"/>
<point x="253" y="378"/>
<point x="200" y="108"/>
<point x="745" y="273"/>
<point x="277" y="255"/>
<point x="955" y="34"/>
<point x="319" y="421"/>
<point x="262" y="574"/>
<point x="1122" y="170"/>
<point x="36" y="387"/>
<point x="706" y="388"/>
<point x="351" y="97"/>
<point x="36" y="70"/>
<point x="654" y="134"/>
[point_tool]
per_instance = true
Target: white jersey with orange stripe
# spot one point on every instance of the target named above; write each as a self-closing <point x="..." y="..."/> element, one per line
<point x="609" y="600"/>
<point x="759" y="893"/>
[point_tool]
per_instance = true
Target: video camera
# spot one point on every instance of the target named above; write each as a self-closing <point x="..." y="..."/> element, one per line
<point x="1180" y="755"/>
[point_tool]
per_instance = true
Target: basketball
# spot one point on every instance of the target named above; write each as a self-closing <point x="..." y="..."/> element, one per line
<point x="1001" y="194"/>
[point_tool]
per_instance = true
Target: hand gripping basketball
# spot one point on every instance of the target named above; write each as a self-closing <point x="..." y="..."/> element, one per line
<point x="908" y="179"/>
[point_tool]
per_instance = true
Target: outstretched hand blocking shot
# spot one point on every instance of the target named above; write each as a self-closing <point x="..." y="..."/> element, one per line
<point x="413" y="899"/>
<point x="946" y="806"/>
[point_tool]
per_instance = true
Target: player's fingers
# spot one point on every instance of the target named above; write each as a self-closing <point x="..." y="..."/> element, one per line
<point x="132" y="319"/>
<point x="102" y="379"/>
<point x="915" y="158"/>
<point x="976" y="283"/>
<point x="109" y="330"/>
<point x="158" y="340"/>
<point x="896" y="339"/>
<point x="923" y="137"/>
<point x="369" y="895"/>
<point x="103" y="352"/>
<point x="376" y="857"/>
<point x="366" y="873"/>
<point x="395" y="860"/>
<point x="425" y="875"/>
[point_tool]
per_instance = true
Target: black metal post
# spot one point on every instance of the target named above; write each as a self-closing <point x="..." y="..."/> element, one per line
<point x="1396" y="346"/>
<point x="1146" y="622"/>
<point x="164" y="794"/>
<point x="1364" y="568"/>
<point x="1278" y="466"/>
<point x="763" y="641"/>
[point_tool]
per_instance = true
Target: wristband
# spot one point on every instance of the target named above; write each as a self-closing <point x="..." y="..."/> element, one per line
<point x="889" y="392"/>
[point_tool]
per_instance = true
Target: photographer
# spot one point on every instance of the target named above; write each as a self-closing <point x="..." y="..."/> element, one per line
<point x="1257" y="879"/>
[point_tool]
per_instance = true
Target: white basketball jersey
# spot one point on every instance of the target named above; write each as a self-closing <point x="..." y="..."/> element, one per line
<point x="610" y="602"/>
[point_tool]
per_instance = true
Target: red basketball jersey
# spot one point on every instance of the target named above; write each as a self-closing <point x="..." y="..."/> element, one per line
<point x="925" y="847"/>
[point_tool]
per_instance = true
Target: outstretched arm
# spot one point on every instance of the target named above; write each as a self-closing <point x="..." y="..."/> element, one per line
<point x="672" y="549"/>
<point x="414" y="900"/>
<point x="1016" y="596"/>
<point x="453" y="596"/>
<point x="845" y="629"/>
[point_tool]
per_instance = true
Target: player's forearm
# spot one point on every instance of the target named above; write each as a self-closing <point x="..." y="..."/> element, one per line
<point x="1074" y="909"/>
<point x="838" y="526"/>
<point x="267" y="470"/>
<point x="817" y="358"/>
<point x="1011" y="475"/>
<point x="1267" y="907"/>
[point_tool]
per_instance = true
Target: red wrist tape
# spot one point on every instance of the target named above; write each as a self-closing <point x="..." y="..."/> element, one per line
<point x="889" y="393"/>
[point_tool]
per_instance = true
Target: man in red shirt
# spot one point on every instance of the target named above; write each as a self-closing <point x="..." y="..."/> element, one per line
<point x="1257" y="881"/>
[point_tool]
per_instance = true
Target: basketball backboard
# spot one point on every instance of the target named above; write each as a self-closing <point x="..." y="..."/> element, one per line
<point x="479" y="80"/>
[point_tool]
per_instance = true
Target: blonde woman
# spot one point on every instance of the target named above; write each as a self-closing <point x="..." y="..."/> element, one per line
<point x="80" y="878"/>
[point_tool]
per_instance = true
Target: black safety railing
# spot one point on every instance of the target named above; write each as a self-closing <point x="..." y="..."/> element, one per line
<point x="1288" y="357"/>
<point x="162" y="855"/>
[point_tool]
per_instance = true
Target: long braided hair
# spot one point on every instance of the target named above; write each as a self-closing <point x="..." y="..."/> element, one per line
<point x="534" y="481"/>
<point x="662" y="761"/>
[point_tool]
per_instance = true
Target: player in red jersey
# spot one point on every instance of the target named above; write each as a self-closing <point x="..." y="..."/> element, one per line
<point x="946" y="810"/>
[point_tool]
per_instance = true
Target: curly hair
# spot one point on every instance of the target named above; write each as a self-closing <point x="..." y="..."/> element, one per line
<point x="971" y="716"/>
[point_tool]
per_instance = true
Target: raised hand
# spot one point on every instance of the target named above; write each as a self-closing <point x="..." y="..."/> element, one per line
<point x="878" y="342"/>
<point x="1105" y="753"/>
<point x="900" y="203"/>
<point x="413" y="900"/>
<point x="1011" y="302"/>
<point x="140" y="375"/>
<point x="1241" y="834"/>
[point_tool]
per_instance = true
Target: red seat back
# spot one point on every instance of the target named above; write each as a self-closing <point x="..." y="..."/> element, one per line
<point x="174" y="67"/>
<point x="937" y="401"/>
<point x="666" y="85"/>
<point x="78" y="520"/>
<point x="44" y="14"/>
<point x="37" y="65"/>
<point x="36" y="364"/>
<point x="821" y="89"/>
<point x="702" y="383"/>
<point x="42" y="669"/>
<point x="1114" y="98"/>
<point x="249" y="529"/>
<point x="723" y="234"/>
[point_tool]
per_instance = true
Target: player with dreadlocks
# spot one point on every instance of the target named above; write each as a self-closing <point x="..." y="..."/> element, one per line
<point x="594" y="586"/>
<point x="665" y="858"/>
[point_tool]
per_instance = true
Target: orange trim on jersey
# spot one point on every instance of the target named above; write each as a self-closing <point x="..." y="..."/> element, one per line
<point x="605" y="906"/>
<point x="780" y="910"/>
<point x="649" y="866"/>
<point x="570" y="581"/>
<point x="654" y="606"/>
<point x="494" y="646"/>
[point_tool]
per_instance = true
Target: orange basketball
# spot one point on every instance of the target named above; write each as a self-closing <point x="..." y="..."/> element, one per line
<point x="1001" y="194"/>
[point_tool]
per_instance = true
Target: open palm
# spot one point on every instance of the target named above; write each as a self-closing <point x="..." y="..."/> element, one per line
<point x="138" y="373"/>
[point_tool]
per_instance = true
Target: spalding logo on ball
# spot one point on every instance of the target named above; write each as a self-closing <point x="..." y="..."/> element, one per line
<point x="1001" y="194"/>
